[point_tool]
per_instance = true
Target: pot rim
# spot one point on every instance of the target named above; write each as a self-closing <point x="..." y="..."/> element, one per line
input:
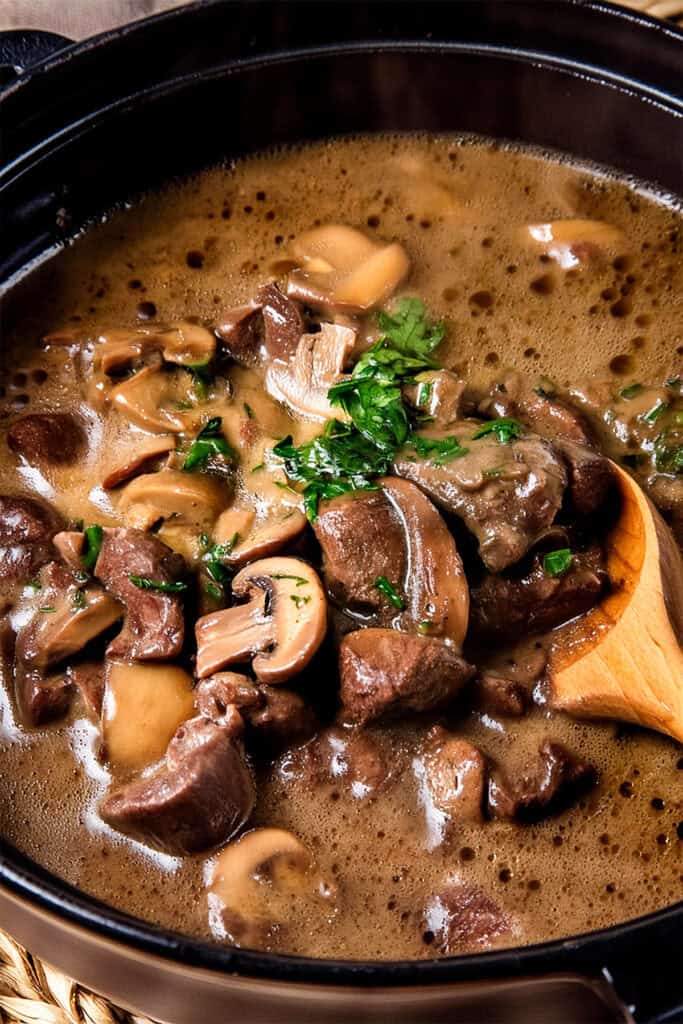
<point x="43" y="890"/>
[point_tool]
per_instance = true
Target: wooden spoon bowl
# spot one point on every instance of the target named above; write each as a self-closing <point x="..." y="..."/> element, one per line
<point x="627" y="662"/>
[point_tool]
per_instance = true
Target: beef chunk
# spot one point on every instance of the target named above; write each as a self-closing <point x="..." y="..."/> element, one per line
<point x="45" y="439"/>
<point x="349" y="759"/>
<point x="275" y="716"/>
<point x="154" y="625"/>
<point x="507" y="495"/>
<point x="41" y="699"/>
<point x="536" y="602"/>
<point x="590" y="476"/>
<point x="451" y="774"/>
<point x="544" y="413"/>
<point x="384" y="672"/>
<point x="282" y="322"/>
<point x="361" y="538"/>
<point x="437" y="394"/>
<point x="463" y="917"/>
<point x="88" y="679"/>
<point x="200" y="798"/>
<point x="241" y="333"/>
<point x="497" y="696"/>
<point x="27" y="527"/>
<point x="544" y="787"/>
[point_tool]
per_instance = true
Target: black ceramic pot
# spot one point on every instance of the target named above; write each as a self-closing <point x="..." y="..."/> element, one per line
<point x="87" y="126"/>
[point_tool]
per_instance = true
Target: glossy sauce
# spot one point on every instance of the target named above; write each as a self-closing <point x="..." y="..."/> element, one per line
<point x="203" y="247"/>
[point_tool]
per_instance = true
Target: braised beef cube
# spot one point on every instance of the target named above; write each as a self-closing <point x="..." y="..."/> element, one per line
<point x="451" y="774"/>
<point x="544" y="787"/>
<point x="362" y="538"/>
<point x="27" y="527"/>
<point x="350" y="759"/>
<point x="590" y="476"/>
<point x="45" y="439"/>
<point x="497" y="696"/>
<point x="387" y="673"/>
<point x="536" y="602"/>
<point x="201" y="797"/>
<point x="154" y="625"/>
<point x="40" y="699"/>
<point x="462" y="918"/>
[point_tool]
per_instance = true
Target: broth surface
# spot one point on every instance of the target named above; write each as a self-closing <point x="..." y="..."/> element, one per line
<point x="202" y="247"/>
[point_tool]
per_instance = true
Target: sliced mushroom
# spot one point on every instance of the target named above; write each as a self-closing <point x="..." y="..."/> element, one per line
<point x="574" y="242"/>
<point x="70" y="544"/>
<point x="144" y="399"/>
<point x="253" y="882"/>
<point x="185" y="344"/>
<point x="134" y="460"/>
<point x="234" y="522"/>
<point x="142" y="709"/>
<point x="67" y="616"/>
<point x="304" y="381"/>
<point x="343" y="270"/>
<point x="201" y="797"/>
<point x="194" y="498"/>
<point x="267" y="537"/>
<point x="283" y="622"/>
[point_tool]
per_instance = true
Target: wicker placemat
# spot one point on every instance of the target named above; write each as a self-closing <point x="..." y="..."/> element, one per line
<point x="32" y="992"/>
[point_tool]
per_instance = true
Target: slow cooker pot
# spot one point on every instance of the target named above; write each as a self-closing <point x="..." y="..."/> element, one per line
<point x="86" y="127"/>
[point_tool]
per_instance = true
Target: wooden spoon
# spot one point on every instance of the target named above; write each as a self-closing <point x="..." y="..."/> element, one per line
<point x="627" y="662"/>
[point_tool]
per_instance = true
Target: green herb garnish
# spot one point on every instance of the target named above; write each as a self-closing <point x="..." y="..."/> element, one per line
<point x="300" y="581"/>
<point x="424" y="392"/>
<point x="408" y="329"/>
<point x="491" y="474"/>
<point x="630" y="391"/>
<point x="674" y="383"/>
<point x="79" y="602"/>
<point x="504" y="428"/>
<point x="257" y="469"/>
<point x="209" y="442"/>
<point x="557" y="563"/>
<point x="94" y="535"/>
<point x="202" y="378"/>
<point x="424" y="627"/>
<point x="439" y="450"/>
<point x="655" y="412"/>
<point x="392" y="595"/>
<point x="213" y="559"/>
<point x="215" y="591"/>
<point x="669" y="452"/>
<point x="35" y="584"/>
<point x="145" y="583"/>
<point x="298" y="600"/>
<point x="248" y="410"/>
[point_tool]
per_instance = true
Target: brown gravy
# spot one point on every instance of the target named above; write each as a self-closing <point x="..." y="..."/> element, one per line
<point x="202" y="247"/>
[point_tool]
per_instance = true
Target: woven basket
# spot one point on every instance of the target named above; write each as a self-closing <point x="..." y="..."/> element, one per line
<point x="32" y="992"/>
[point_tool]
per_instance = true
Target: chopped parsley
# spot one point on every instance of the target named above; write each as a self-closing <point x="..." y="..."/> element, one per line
<point x="47" y="609"/>
<point x="424" y="392"/>
<point x="202" y="379"/>
<point x="504" y="428"/>
<point x="557" y="563"/>
<point x="215" y="591"/>
<point x="424" y="627"/>
<point x="669" y="452"/>
<point x="248" y="410"/>
<point x="79" y="602"/>
<point x="348" y="456"/>
<point x="655" y="412"/>
<point x="145" y="583"/>
<point x="35" y="584"/>
<point x="438" y="449"/>
<point x="257" y="469"/>
<point x="390" y="592"/>
<point x="630" y="391"/>
<point x="674" y="383"/>
<point x="213" y="559"/>
<point x="496" y="471"/>
<point x="208" y="443"/>
<point x="300" y="581"/>
<point x="299" y="600"/>
<point x="94" y="535"/>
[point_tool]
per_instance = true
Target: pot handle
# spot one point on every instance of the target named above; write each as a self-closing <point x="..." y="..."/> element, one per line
<point x="21" y="48"/>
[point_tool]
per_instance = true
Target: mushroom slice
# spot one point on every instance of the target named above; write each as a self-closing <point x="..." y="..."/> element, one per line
<point x="304" y="381"/>
<point x="142" y="708"/>
<point x="574" y="242"/>
<point x="185" y="344"/>
<point x="141" y="399"/>
<point x="343" y="270"/>
<point x="70" y="544"/>
<point x="133" y="461"/>
<point x="253" y="882"/>
<point x="194" y="498"/>
<point x="283" y="622"/>
<point x="267" y="537"/>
